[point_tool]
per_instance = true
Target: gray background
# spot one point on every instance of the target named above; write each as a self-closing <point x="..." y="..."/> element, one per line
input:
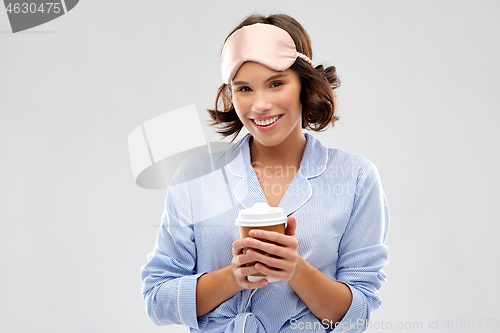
<point x="419" y="98"/>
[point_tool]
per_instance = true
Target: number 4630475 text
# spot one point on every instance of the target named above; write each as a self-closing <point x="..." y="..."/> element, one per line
<point x="25" y="8"/>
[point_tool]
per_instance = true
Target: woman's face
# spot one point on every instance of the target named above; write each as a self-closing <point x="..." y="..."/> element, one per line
<point x="260" y="95"/>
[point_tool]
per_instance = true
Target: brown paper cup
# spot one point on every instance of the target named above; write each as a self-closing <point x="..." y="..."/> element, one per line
<point x="263" y="217"/>
<point x="244" y="233"/>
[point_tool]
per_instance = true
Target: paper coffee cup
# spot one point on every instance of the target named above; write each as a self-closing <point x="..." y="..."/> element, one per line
<point x="260" y="216"/>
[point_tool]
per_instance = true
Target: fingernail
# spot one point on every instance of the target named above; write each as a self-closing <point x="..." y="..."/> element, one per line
<point x="252" y="233"/>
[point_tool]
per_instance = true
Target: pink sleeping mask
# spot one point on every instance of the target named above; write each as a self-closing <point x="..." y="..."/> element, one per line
<point x="265" y="44"/>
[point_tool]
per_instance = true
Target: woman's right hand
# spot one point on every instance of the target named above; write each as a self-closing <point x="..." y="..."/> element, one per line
<point x="240" y="271"/>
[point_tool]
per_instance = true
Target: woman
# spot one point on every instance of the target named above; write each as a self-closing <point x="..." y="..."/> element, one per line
<point x="331" y="256"/>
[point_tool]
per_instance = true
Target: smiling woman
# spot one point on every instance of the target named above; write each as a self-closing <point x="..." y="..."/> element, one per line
<point x="268" y="105"/>
<point x="317" y="82"/>
<point x="328" y="263"/>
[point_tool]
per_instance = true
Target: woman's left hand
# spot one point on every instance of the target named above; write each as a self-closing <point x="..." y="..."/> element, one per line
<point x="278" y="261"/>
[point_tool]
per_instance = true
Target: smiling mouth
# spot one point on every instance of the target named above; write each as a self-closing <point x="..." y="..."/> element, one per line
<point x="266" y="122"/>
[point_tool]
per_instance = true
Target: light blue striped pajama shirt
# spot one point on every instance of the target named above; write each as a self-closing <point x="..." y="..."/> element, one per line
<point x="342" y="223"/>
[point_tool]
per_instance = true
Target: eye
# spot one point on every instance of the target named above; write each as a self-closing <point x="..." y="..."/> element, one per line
<point x="276" y="84"/>
<point x="244" y="88"/>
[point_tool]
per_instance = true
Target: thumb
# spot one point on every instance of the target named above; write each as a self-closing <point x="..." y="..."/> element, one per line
<point x="291" y="223"/>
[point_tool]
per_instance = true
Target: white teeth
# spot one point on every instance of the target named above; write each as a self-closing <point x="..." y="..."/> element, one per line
<point x="266" y="122"/>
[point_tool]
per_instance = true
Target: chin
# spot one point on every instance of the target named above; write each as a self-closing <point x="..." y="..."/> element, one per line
<point x="268" y="141"/>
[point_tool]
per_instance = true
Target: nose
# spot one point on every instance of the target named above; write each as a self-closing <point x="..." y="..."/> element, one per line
<point x="261" y="103"/>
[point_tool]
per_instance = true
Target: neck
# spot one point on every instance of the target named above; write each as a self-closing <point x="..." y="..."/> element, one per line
<point x="288" y="153"/>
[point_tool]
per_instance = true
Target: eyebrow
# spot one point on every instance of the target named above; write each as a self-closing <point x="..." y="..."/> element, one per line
<point x="241" y="83"/>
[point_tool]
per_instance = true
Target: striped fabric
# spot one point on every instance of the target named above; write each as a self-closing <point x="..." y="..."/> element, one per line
<point x="342" y="223"/>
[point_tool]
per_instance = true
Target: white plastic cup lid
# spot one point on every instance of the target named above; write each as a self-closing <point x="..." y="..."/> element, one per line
<point x="261" y="214"/>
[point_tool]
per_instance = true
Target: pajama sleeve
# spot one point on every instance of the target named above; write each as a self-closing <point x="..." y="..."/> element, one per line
<point x="362" y="252"/>
<point x="169" y="278"/>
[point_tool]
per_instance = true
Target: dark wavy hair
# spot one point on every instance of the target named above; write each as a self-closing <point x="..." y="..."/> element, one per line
<point x="319" y="108"/>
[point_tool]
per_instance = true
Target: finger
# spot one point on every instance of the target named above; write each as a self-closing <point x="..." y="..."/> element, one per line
<point x="256" y="285"/>
<point x="247" y="270"/>
<point x="271" y="262"/>
<point x="238" y="246"/>
<point x="239" y="243"/>
<point x="265" y="247"/>
<point x="291" y="224"/>
<point x="243" y="259"/>
<point x="271" y="236"/>
<point x="244" y="271"/>
<point x="271" y="272"/>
